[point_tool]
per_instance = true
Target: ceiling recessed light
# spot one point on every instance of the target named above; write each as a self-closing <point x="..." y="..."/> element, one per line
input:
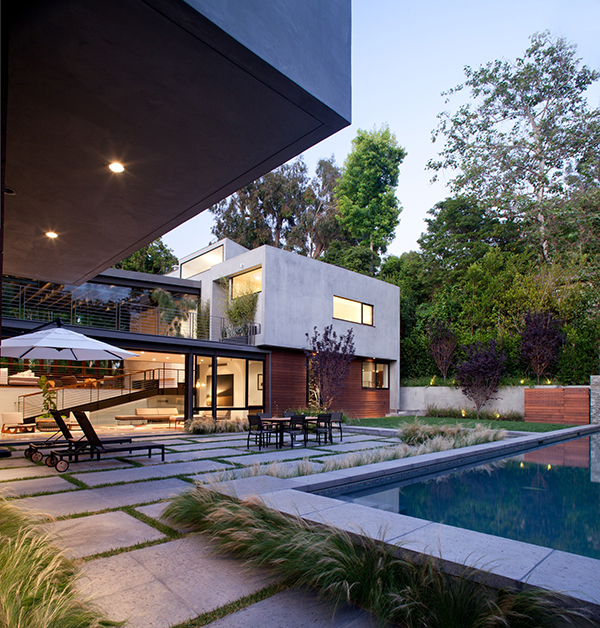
<point x="116" y="167"/>
<point x="51" y="234"/>
<point x="9" y="191"/>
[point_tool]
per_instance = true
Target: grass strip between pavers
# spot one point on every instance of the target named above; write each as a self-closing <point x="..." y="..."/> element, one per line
<point x="234" y="607"/>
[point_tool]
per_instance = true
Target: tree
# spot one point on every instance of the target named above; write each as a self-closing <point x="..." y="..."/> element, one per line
<point x="442" y="345"/>
<point x="317" y="227"/>
<point x="173" y="313"/>
<point x="368" y="207"/>
<point x="541" y="341"/>
<point x="328" y="362"/>
<point x="460" y="232"/>
<point x="156" y="258"/>
<point x="480" y="374"/>
<point x="526" y="130"/>
<point x="265" y="211"/>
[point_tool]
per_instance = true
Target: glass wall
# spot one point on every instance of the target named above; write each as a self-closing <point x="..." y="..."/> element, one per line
<point x="201" y="263"/>
<point x="375" y="374"/>
<point x="239" y="384"/>
<point x="246" y="283"/>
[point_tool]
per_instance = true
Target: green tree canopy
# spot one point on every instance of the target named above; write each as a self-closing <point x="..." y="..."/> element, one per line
<point x="156" y="258"/>
<point x="368" y="207"/>
<point x="526" y="141"/>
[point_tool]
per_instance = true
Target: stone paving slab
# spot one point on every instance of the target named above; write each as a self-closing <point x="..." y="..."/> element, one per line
<point x="202" y="446"/>
<point x="376" y="524"/>
<point x="297" y="503"/>
<point x="247" y="487"/>
<point x="19" y="461"/>
<point x="274" y="455"/>
<point x="136" y="474"/>
<point x="86" y="536"/>
<point x="185" y="456"/>
<point x="569" y="574"/>
<point x="53" y="484"/>
<point x="296" y="608"/>
<point x="503" y="557"/>
<point x="166" y="584"/>
<point x="356" y="446"/>
<point x="36" y="470"/>
<point x="155" y="511"/>
<point x="92" y="500"/>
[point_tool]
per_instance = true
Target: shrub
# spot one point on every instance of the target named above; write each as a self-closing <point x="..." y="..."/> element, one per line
<point x="541" y="341"/>
<point x="470" y="414"/>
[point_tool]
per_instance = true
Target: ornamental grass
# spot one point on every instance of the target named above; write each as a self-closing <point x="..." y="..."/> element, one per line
<point x="363" y="571"/>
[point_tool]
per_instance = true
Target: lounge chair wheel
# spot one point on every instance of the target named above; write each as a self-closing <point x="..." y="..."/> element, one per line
<point x="36" y="456"/>
<point x="27" y="453"/>
<point x="62" y="466"/>
<point x="51" y="460"/>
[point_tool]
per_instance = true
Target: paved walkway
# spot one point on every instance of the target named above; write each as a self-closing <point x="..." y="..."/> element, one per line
<point x="107" y="516"/>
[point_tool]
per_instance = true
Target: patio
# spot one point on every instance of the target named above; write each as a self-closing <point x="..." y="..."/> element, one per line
<point x="107" y="517"/>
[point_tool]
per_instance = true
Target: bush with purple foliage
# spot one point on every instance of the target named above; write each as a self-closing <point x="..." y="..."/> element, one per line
<point x="480" y="374"/>
<point x="541" y="341"/>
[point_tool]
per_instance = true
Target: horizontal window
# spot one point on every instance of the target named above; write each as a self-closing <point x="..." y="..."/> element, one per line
<point x="353" y="311"/>
<point x="375" y="374"/>
<point x="201" y="263"/>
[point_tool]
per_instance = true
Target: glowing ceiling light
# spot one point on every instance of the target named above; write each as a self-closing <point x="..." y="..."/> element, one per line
<point x="51" y="234"/>
<point x="116" y="167"/>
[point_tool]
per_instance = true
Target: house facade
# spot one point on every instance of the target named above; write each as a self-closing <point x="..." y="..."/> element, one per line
<point x="296" y="294"/>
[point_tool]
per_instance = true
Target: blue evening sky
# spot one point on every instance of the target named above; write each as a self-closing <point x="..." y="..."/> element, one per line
<point x="404" y="54"/>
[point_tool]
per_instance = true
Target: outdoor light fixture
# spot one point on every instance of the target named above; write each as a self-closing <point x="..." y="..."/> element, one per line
<point x="116" y="167"/>
<point x="51" y="234"/>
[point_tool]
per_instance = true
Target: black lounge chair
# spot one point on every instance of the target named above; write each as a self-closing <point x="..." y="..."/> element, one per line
<point x="33" y="451"/>
<point x="96" y="447"/>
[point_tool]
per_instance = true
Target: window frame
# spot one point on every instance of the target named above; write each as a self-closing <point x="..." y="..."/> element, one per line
<point x="362" y="311"/>
<point x="376" y="363"/>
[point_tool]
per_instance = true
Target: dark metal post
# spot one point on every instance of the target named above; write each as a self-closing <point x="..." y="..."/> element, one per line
<point x="188" y="399"/>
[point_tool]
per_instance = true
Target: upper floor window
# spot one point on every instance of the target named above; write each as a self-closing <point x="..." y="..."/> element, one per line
<point x="246" y="283"/>
<point x="201" y="263"/>
<point x="353" y="311"/>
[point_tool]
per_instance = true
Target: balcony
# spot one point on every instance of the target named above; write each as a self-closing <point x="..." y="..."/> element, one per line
<point x="42" y="306"/>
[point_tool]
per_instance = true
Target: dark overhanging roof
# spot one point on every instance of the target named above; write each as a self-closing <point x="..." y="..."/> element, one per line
<point x="191" y="112"/>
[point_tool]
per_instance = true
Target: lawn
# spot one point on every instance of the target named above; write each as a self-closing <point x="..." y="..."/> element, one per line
<point x="520" y="426"/>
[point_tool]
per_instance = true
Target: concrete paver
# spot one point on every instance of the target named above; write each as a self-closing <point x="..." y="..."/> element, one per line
<point x="276" y="612"/>
<point x="185" y="456"/>
<point x="166" y="584"/>
<point x="86" y="536"/>
<point x="52" y="484"/>
<point x="354" y="446"/>
<point x="274" y="455"/>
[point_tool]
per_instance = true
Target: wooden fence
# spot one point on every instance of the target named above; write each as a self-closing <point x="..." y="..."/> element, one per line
<point x="558" y="405"/>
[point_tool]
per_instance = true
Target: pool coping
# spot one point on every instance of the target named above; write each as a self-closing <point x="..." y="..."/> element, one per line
<point x="498" y="562"/>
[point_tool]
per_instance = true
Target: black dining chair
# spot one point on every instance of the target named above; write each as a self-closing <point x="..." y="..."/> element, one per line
<point x="260" y="432"/>
<point x="336" y="423"/>
<point x="295" y="428"/>
<point x="323" y="427"/>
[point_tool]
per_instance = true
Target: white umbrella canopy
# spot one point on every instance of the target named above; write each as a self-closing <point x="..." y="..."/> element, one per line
<point x="58" y="343"/>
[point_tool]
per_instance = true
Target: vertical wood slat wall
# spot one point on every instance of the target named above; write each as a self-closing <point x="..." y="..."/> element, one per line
<point x="558" y="405"/>
<point x="289" y="387"/>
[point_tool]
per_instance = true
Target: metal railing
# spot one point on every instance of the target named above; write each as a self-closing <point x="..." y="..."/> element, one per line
<point x="130" y="317"/>
<point x="99" y="390"/>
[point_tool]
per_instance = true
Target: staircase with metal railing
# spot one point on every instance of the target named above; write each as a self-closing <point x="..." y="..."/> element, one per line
<point x="43" y="306"/>
<point x="96" y="394"/>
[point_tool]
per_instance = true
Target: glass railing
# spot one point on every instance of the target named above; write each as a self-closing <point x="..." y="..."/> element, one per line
<point x="128" y="317"/>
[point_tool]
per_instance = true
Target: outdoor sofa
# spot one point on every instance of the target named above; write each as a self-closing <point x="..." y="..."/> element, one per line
<point x="151" y="415"/>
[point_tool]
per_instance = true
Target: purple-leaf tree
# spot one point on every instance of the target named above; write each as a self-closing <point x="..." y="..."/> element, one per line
<point x="480" y="374"/>
<point x="541" y="341"/>
<point x="328" y="361"/>
<point x="442" y="345"/>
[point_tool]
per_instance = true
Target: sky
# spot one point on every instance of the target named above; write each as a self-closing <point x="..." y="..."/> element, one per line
<point x="405" y="53"/>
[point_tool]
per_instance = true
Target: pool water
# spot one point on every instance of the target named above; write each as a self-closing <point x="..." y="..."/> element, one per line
<point x="549" y="497"/>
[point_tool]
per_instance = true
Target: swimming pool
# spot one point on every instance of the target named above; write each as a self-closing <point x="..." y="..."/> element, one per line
<point x="549" y="496"/>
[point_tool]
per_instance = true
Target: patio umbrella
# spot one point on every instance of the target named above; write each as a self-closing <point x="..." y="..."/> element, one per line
<point x="53" y="342"/>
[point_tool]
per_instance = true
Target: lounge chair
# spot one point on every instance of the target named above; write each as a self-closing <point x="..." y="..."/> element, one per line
<point x="80" y="444"/>
<point x="96" y="447"/>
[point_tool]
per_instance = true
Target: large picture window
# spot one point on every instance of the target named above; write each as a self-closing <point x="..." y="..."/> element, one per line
<point x="246" y="283"/>
<point x="353" y="311"/>
<point x="201" y="263"/>
<point x="375" y="374"/>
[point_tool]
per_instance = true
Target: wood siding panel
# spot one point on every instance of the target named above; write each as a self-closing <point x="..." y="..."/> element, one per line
<point x="289" y="387"/>
<point x="558" y="405"/>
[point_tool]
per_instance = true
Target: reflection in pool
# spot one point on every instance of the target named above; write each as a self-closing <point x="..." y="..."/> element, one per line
<point x="547" y="497"/>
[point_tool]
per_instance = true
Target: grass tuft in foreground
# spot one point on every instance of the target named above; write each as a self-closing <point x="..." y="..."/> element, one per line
<point x="364" y="572"/>
<point x="201" y="425"/>
<point x="36" y="581"/>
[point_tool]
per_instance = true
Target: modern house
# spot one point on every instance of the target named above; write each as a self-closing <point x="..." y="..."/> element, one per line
<point x="123" y="119"/>
<point x="259" y="364"/>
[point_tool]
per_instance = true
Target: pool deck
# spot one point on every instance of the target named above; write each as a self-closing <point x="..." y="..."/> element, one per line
<point x="108" y="518"/>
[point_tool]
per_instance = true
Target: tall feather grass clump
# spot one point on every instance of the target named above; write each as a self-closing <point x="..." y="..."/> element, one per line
<point x="363" y="571"/>
<point x="201" y="425"/>
<point x="417" y="433"/>
<point x="36" y="580"/>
